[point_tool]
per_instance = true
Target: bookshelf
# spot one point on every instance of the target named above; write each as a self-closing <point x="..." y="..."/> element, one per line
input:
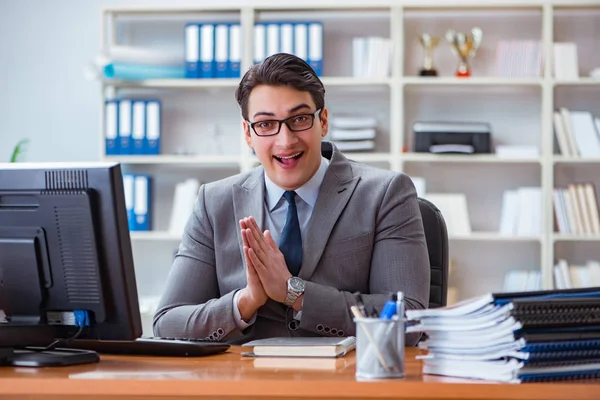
<point x="519" y="110"/>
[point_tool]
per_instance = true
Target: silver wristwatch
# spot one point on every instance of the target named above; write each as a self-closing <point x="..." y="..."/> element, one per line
<point x="295" y="287"/>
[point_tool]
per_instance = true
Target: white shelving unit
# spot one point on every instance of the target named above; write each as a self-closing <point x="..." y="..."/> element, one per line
<point x="519" y="110"/>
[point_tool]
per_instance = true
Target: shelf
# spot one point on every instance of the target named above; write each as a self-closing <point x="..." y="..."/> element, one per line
<point x="475" y="81"/>
<point x="579" y="82"/>
<point x="154" y="236"/>
<point x="234" y="82"/>
<point x="493" y="237"/>
<point x="176" y="159"/>
<point x="175" y="83"/>
<point x="352" y="81"/>
<point x="576" y="238"/>
<point x="368" y="157"/>
<point x="475" y="158"/>
<point x="571" y="160"/>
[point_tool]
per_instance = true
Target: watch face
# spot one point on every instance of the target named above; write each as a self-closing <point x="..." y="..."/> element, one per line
<point x="296" y="284"/>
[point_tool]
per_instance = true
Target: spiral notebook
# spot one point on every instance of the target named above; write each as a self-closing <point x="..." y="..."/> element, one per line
<point x="556" y="312"/>
<point x="540" y="300"/>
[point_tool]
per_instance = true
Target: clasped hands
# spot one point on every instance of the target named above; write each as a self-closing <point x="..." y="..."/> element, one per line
<point x="267" y="272"/>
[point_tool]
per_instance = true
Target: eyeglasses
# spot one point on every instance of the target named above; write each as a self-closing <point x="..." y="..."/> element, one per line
<point x="296" y="123"/>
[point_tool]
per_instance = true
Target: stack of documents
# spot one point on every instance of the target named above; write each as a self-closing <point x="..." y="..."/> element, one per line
<point x="354" y="133"/>
<point x="514" y="337"/>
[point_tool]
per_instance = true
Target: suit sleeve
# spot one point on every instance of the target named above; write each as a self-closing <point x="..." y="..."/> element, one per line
<point x="399" y="262"/>
<point x="191" y="305"/>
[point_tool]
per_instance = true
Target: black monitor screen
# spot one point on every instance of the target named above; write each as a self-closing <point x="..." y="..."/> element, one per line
<point x="65" y="249"/>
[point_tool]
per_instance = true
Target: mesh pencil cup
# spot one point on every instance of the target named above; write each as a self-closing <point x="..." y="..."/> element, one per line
<point x="379" y="348"/>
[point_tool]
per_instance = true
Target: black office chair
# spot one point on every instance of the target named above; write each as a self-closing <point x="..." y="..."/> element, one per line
<point x="436" y="236"/>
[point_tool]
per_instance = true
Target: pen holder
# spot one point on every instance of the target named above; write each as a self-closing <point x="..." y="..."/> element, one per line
<point x="379" y="348"/>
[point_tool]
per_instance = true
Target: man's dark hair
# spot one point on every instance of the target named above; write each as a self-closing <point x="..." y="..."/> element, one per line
<point x="281" y="70"/>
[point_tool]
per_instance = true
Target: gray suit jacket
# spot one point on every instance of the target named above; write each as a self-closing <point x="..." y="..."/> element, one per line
<point x="365" y="234"/>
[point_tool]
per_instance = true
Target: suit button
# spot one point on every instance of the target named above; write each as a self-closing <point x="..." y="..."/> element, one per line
<point x="341" y="333"/>
<point x="326" y="329"/>
<point x="220" y="332"/>
<point x="293" y="325"/>
<point x="333" y="331"/>
<point x="320" y="327"/>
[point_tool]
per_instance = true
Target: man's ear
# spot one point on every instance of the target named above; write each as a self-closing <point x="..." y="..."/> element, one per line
<point x="324" y="118"/>
<point x="247" y="134"/>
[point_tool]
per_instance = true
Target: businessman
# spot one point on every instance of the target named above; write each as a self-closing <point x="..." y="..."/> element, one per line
<point x="280" y="250"/>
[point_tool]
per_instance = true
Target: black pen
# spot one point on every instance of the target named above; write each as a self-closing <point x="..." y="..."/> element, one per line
<point x="360" y="304"/>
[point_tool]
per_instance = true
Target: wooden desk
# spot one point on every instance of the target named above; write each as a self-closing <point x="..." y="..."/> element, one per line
<point x="230" y="375"/>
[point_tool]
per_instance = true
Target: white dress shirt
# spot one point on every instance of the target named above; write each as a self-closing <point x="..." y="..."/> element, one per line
<point x="276" y="207"/>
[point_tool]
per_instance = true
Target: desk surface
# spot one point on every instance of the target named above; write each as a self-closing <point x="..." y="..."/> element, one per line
<point x="230" y="375"/>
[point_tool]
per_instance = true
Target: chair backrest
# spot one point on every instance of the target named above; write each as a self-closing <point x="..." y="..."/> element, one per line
<point x="436" y="236"/>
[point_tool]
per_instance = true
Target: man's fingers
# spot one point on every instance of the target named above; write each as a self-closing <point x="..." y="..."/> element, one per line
<point x="247" y="257"/>
<point x="259" y="267"/>
<point x="270" y="241"/>
<point x="245" y="238"/>
<point x="258" y="236"/>
<point x="256" y="242"/>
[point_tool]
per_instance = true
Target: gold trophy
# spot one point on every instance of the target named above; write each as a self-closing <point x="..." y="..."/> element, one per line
<point x="429" y="43"/>
<point x="464" y="46"/>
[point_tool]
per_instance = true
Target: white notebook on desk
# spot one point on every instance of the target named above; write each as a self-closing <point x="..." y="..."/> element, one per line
<point x="302" y="346"/>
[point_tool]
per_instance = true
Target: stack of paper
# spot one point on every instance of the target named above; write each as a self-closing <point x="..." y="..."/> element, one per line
<point x="353" y="133"/>
<point x="513" y="337"/>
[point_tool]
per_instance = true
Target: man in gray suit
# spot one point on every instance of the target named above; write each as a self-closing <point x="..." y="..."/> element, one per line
<point x="280" y="250"/>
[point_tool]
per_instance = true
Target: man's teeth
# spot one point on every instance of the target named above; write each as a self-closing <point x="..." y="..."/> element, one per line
<point x="288" y="157"/>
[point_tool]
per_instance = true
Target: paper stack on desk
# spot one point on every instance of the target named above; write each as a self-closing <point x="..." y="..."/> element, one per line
<point x="514" y="337"/>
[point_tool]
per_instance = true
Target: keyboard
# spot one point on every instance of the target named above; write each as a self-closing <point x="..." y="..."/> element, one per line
<point x="153" y="346"/>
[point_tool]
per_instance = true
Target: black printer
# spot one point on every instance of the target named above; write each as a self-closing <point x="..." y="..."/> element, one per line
<point x="452" y="137"/>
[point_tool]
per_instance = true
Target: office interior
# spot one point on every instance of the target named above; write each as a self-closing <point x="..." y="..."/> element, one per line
<point x="504" y="138"/>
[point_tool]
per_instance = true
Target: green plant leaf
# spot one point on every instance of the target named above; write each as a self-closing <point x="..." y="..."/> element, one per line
<point x="19" y="150"/>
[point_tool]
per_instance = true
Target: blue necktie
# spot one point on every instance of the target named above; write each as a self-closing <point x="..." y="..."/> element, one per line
<point x="291" y="239"/>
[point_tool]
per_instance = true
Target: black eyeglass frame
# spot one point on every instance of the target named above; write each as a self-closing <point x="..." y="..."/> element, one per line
<point x="313" y="116"/>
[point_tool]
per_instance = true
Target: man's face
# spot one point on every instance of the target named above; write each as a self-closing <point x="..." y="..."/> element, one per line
<point x="289" y="158"/>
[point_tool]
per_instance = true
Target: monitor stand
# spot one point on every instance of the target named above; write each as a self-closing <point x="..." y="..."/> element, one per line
<point x="6" y="355"/>
<point x="38" y="357"/>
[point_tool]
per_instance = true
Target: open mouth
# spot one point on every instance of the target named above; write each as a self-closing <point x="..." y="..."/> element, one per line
<point x="288" y="160"/>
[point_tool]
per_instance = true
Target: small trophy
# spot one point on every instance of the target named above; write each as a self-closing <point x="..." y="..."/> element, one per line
<point x="464" y="46"/>
<point x="429" y="43"/>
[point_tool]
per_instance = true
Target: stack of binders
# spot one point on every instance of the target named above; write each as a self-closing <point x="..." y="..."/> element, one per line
<point x="132" y="126"/>
<point x="514" y="337"/>
<point x="138" y="201"/>
<point x="214" y="50"/>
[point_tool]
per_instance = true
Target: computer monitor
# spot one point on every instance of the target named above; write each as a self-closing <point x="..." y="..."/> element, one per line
<point x="65" y="255"/>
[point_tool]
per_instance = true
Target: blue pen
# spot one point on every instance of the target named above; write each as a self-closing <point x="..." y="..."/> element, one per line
<point x="389" y="309"/>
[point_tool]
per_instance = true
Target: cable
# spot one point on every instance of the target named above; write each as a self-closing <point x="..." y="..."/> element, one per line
<point x="63" y="342"/>
<point x="82" y="319"/>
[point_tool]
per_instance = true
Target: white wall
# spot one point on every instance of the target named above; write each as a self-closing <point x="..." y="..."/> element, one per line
<point x="44" y="46"/>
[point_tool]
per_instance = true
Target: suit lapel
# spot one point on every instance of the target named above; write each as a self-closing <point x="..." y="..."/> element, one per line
<point x="248" y="200"/>
<point x="336" y="189"/>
